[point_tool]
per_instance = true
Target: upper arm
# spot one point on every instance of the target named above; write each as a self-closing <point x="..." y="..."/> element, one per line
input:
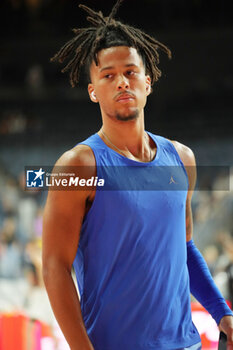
<point x="64" y="211"/>
<point x="188" y="159"/>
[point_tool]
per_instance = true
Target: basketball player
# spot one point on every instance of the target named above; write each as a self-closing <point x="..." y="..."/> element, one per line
<point x="132" y="250"/>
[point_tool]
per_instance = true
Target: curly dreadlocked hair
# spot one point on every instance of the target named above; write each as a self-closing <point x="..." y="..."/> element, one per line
<point x="106" y="32"/>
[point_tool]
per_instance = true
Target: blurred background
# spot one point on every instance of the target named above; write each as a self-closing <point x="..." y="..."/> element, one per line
<point x="41" y="116"/>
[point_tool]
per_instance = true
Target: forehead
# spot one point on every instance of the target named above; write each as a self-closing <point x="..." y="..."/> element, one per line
<point x="116" y="56"/>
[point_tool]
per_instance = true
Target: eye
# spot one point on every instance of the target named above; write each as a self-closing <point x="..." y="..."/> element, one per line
<point x="130" y="72"/>
<point x="108" y="76"/>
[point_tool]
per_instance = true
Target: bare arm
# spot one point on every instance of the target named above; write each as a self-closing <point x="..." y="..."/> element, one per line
<point x="63" y="216"/>
<point x="189" y="162"/>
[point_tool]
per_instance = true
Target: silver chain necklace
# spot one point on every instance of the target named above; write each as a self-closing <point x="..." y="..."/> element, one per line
<point x="122" y="152"/>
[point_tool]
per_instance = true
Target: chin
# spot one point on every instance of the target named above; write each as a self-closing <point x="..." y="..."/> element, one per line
<point x="127" y="116"/>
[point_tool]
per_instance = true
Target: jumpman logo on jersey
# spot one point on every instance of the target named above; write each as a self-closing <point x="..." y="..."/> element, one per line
<point x="172" y="181"/>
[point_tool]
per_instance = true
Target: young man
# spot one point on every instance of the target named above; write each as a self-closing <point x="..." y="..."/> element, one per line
<point x="128" y="246"/>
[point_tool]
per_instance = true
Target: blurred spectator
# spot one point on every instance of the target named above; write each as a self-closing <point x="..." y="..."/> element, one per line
<point x="10" y="251"/>
<point x="202" y="206"/>
<point x="33" y="257"/>
<point x="211" y="256"/>
<point x="35" y="79"/>
<point x="17" y="122"/>
<point x="12" y="122"/>
<point x="10" y="196"/>
<point x="219" y="258"/>
<point x="26" y="212"/>
<point x="36" y="303"/>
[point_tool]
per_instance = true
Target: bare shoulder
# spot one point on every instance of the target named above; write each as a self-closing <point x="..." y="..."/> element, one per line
<point x="188" y="159"/>
<point x="185" y="153"/>
<point x="78" y="161"/>
<point x="80" y="155"/>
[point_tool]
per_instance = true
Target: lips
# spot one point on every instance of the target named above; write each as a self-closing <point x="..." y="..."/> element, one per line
<point x="124" y="98"/>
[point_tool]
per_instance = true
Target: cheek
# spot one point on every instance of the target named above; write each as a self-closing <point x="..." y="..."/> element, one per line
<point x="140" y="82"/>
<point x="103" y="93"/>
<point x="105" y="96"/>
<point x="102" y="88"/>
<point x="141" y="90"/>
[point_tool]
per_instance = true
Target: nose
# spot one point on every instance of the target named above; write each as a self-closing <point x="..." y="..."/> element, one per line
<point x="122" y="83"/>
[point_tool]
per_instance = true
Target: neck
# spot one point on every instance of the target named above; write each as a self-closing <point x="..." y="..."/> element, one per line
<point x="128" y="137"/>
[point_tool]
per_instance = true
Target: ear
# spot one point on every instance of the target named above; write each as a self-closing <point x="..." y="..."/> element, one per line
<point x="92" y="94"/>
<point x="148" y="85"/>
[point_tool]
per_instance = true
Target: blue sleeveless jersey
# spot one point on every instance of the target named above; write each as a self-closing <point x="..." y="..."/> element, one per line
<point x="131" y="262"/>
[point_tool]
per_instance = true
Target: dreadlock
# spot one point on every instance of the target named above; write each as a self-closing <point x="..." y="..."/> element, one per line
<point x="107" y="32"/>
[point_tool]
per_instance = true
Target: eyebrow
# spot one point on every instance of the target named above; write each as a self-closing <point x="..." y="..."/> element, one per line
<point x="111" y="67"/>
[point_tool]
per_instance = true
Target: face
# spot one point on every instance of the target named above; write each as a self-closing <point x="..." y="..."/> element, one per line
<point x="119" y="83"/>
